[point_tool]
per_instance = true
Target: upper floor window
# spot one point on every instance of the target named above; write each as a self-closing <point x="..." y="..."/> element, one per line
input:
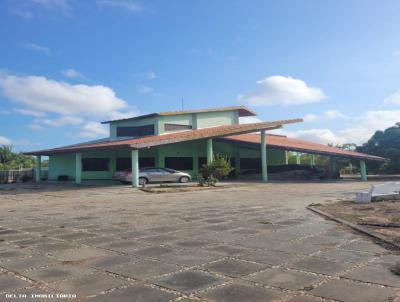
<point x="136" y="131"/>
<point x="176" y="127"/>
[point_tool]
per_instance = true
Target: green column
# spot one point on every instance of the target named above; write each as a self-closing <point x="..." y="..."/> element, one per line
<point x="286" y="157"/>
<point x="78" y="168"/>
<point x="298" y="159"/>
<point x="135" y="167"/>
<point x="363" y="170"/>
<point x="210" y="155"/>
<point x="264" y="173"/>
<point x="160" y="158"/>
<point x="237" y="160"/>
<point x="333" y="164"/>
<point x="312" y="160"/>
<point x="38" y="168"/>
<point x="113" y="162"/>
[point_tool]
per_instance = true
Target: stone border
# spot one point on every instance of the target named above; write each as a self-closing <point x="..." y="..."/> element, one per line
<point x="355" y="227"/>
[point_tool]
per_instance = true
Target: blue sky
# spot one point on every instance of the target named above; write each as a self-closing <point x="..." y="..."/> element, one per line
<point x="65" y="65"/>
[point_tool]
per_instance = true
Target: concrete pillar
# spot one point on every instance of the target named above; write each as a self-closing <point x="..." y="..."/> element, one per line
<point x="135" y="167"/>
<point x="160" y="161"/>
<point x="351" y="167"/>
<point x="38" y="168"/>
<point x="298" y="158"/>
<point x="237" y="160"/>
<point x="78" y="168"/>
<point x="312" y="160"/>
<point x="210" y="155"/>
<point x="264" y="172"/>
<point x="363" y="170"/>
<point x="333" y="164"/>
<point x="286" y="157"/>
<point x="113" y="162"/>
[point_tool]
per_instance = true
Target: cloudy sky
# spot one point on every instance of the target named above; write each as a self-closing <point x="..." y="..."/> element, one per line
<point x="66" y="65"/>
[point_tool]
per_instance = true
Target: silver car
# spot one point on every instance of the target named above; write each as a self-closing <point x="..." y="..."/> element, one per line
<point x="147" y="175"/>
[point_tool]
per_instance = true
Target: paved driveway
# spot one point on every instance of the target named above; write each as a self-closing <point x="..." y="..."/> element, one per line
<point x="247" y="243"/>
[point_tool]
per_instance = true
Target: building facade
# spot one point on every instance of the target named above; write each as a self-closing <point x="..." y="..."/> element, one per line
<point x="183" y="140"/>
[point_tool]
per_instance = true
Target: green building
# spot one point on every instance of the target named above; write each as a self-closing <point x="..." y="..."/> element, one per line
<point x="183" y="140"/>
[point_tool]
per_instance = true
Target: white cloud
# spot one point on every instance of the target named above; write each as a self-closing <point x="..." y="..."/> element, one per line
<point x="129" y="5"/>
<point x="29" y="112"/>
<point x="364" y="127"/>
<point x="46" y="95"/>
<point x="144" y="89"/>
<point x="310" y="117"/>
<point x="121" y="115"/>
<point x="280" y="90"/>
<point x="5" y="141"/>
<point x="24" y="13"/>
<point x="327" y="115"/>
<point x="393" y="99"/>
<point x="38" y="48"/>
<point x="249" y="120"/>
<point x="50" y="4"/>
<point x="93" y="129"/>
<point x="62" y="121"/>
<point x="72" y="73"/>
<point x="35" y="126"/>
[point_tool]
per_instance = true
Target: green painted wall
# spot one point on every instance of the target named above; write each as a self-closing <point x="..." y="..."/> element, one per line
<point x="64" y="164"/>
<point x="196" y="120"/>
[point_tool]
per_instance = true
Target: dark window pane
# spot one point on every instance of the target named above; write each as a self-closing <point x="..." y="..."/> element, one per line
<point x="250" y="163"/>
<point x="202" y="161"/>
<point x="176" y="127"/>
<point x="95" y="164"/>
<point x="179" y="163"/>
<point x="125" y="163"/>
<point x="135" y="131"/>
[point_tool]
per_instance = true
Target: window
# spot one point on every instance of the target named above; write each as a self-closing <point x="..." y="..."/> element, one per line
<point x="125" y="163"/>
<point x="95" y="164"/>
<point x="176" y="127"/>
<point x="135" y="131"/>
<point x="179" y="163"/>
<point x="250" y="163"/>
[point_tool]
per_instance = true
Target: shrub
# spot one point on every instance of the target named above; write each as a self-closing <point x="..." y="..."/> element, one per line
<point x="214" y="171"/>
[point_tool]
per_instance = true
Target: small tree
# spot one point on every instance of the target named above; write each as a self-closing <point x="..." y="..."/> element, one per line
<point x="214" y="171"/>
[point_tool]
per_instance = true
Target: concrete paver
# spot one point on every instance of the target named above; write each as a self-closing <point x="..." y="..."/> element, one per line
<point x="251" y="242"/>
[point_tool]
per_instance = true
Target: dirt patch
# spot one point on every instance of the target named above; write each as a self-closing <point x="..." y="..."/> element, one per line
<point x="381" y="217"/>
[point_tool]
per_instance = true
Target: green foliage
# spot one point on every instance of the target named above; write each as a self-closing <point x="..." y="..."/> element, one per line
<point x="216" y="170"/>
<point x="385" y="144"/>
<point x="11" y="160"/>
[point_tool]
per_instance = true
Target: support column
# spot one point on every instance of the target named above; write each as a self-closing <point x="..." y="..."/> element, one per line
<point x="298" y="158"/>
<point x="160" y="161"/>
<point x="237" y="160"/>
<point x="135" y="168"/>
<point x="38" y="168"/>
<point x="113" y="162"/>
<point x="333" y="164"/>
<point x="286" y="157"/>
<point x="78" y="168"/>
<point x="312" y="160"/>
<point x="264" y="172"/>
<point x="210" y="155"/>
<point x="363" y="170"/>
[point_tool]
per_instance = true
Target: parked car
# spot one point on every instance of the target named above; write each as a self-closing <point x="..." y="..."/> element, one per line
<point x="147" y="175"/>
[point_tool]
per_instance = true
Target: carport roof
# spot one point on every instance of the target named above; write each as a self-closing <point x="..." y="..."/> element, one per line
<point x="291" y="144"/>
<point x="170" y="138"/>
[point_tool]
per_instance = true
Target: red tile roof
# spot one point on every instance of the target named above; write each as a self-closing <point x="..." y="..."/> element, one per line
<point x="164" y="139"/>
<point x="291" y="144"/>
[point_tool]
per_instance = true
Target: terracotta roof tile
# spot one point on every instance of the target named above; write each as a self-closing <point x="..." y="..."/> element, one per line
<point x="170" y="138"/>
<point x="291" y="144"/>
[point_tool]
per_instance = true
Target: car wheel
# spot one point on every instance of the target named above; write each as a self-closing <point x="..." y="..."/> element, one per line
<point x="184" y="179"/>
<point x="143" y="181"/>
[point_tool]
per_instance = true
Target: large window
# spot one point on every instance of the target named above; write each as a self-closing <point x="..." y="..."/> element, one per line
<point x="250" y="163"/>
<point x="179" y="163"/>
<point x="125" y="163"/>
<point x="176" y="127"/>
<point x="135" y="131"/>
<point x="95" y="164"/>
